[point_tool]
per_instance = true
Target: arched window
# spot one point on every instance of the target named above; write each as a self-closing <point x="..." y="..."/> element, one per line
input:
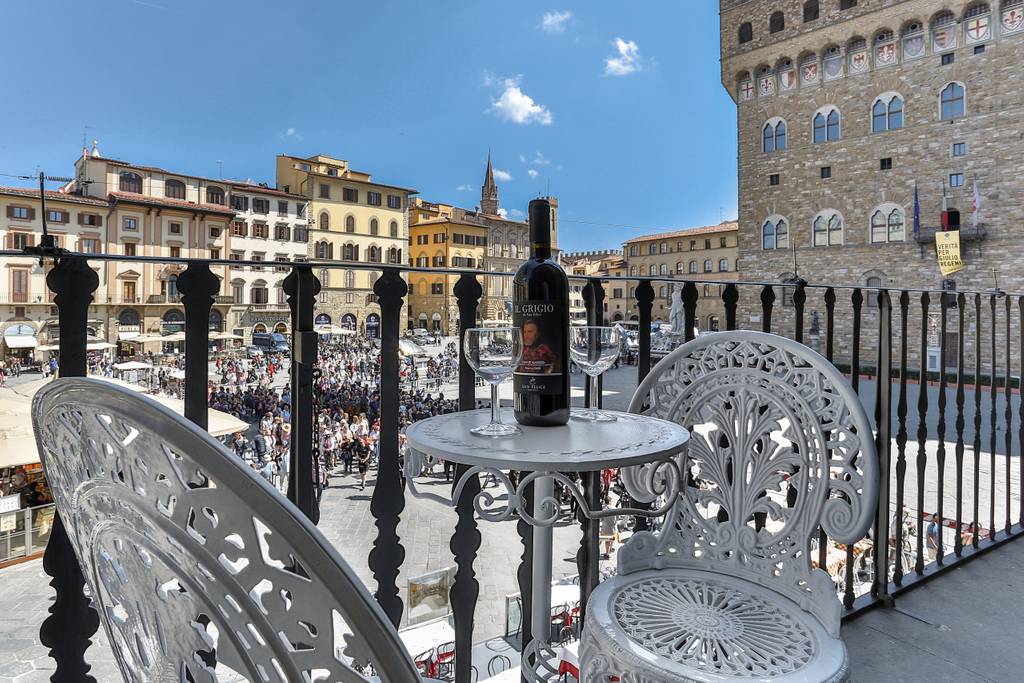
<point x="774" y="234"/>
<point x="887" y="113"/>
<point x="713" y="324"/>
<point x="776" y="22"/>
<point x="393" y="229"/>
<point x="652" y="269"/>
<point x="174" y="189"/>
<point x="662" y="291"/>
<point x="325" y="277"/>
<point x="723" y="265"/>
<point x="810" y="10"/>
<point x="129" y="316"/>
<point x="373" y="254"/>
<point x="707" y="265"/>
<point x="773" y="136"/>
<point x="350" y="224"/>
<point x="350" y="279"/>
<point x="350" y="252"/>
<point x="374" y="226"/>
<point x="664" y="269"/>
<point x="214" y="195"/>
<point x="325" y="221"/>
<point x="129" y="182"/>
<point x="746" y="32"/>
<point x="693" y="266"/>
<point x="826" y="125"/>
<point x="888" y="224"/>
<point x="679" y="268"/>
<point x="324" y="250"/>
<point x="951" y="102"/>
<point x="258" y="293"/>
<point x="633" y="271"/>
<point x="394" y="255"/>
<point x="873" y="283"/>
<point x="828" y="229"/>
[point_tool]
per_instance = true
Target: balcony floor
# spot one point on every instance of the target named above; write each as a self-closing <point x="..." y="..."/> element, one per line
<point x="965" y="625"/>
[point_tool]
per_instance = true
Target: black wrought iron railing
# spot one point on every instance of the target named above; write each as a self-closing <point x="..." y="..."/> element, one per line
<point x="947" y="436"/>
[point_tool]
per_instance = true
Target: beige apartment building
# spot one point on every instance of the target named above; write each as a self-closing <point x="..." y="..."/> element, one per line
<point x="708" y="254"/>
<point x="593" y="264"/>
<point x="351" y="218"/>
<point x="439" y="237"/>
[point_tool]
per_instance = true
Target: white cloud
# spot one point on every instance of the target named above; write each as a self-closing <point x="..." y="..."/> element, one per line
<point x="626" y="62"/>
<point x="516" y="213"/>
<point x="555" y="22"/>
<point x="516" y="106"/>
<point x="464" y="188"/>
<point x="503" y="213"/>
<point x="522" y="158"/>
<point x="540" y="160"/>
<point x="503" y="176"/>
<point x="293" y="134"/>
<point x="532" y="173"/>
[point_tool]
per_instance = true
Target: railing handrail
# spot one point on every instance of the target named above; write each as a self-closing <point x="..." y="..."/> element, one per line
<point x="358" y="265"/>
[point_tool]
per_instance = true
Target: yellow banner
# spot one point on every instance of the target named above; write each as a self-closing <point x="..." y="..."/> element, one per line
<point x="947" y="248"/>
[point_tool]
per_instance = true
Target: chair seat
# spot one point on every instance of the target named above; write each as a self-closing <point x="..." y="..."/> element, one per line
<point x="690" y="625"/>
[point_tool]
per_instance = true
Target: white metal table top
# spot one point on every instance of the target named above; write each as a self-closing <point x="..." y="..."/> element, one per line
<point x="575" y="447"/>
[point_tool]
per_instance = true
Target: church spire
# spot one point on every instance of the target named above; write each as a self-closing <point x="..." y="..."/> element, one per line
<point x="489" y="190"/>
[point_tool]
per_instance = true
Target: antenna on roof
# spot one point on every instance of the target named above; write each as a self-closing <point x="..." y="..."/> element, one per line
<point x="220" y="169"/>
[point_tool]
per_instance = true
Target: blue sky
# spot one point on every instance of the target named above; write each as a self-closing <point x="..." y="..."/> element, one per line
<point x="617" y="105"/>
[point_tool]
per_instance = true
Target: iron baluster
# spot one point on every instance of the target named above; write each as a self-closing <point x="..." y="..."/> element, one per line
<point x="958" y="545"/>
<point x="72" y="622"/>
<point x="689" y="310"/>
<point x="940" y="453"/>
<point x="465" y="542"/>
<point x="767" y="301"/>
<point x="730" y="297"/>
<point x="901" y="440"/>
<point x="830" y="329"/>
<point x="301" y="288"/>
<point x="1008" y="415"/>
<point x="857" y="301"/>
<point x="993" y="377"/>
<point x="883" y="414"/>
<point x="977" y="416"/>
<point x="388" y="501"/>
<point x="799" y="301"/>
<point x="198" y="286"/>
<point x="922" y="427"/>
<point x="644" y="302"/>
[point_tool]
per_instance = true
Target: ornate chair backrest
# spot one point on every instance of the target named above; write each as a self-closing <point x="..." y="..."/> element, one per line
<point x="766" y="414"/>
<point x="199" y="568"/>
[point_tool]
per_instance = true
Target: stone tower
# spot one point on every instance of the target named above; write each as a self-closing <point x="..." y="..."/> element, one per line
<point x="489" y="191"/>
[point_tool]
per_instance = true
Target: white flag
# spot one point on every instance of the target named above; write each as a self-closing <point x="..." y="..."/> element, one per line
<point x="975" y="205"/>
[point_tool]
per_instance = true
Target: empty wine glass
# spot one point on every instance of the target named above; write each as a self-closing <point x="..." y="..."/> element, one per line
<point x="494" y="353"/>
<point x="593" y="349"/>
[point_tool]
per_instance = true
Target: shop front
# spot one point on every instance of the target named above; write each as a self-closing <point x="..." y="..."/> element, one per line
<point x="20" y="342"/>
<point x="373" y="326"/>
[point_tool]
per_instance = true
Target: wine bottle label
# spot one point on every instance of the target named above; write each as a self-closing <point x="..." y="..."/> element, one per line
<point x="540" y="370"/>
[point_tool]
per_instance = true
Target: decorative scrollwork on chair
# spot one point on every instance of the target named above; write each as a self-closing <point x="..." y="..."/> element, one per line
<point x="199" y="569"/>
<point x="779" y="445"/>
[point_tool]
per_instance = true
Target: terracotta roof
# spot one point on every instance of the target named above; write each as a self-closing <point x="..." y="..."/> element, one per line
<point x="170" y="203"/>
<point x="51" y="194"/>
<point x="727" y="226"/>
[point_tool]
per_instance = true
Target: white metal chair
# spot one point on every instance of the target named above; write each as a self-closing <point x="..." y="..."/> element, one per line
<point x="726" y="590"/>
<point x="199" y="569"/>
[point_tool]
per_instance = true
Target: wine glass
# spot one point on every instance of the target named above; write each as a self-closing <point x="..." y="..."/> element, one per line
<point x="593" y="349"/>
<point x="494" y="353"/>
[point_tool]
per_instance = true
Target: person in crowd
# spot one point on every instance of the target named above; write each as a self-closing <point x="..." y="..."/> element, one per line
<point x="933" y="537"/>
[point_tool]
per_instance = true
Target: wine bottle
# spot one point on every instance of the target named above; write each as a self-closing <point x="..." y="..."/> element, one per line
<point x="540" y="308"/>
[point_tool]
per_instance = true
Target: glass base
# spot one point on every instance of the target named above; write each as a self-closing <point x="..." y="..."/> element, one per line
<point x="496" y="429"/>
<point x="591" y="415"/>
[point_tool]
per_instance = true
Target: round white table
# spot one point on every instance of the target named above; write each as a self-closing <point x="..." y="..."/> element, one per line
<point x="648" y="450"/>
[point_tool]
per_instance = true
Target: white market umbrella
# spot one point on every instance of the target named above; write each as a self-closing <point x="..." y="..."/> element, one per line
<point x="133" y="365"/>
<point x="407" y="347"/>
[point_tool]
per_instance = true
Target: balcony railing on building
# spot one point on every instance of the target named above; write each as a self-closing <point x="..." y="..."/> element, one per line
<point x="963" y="427"/>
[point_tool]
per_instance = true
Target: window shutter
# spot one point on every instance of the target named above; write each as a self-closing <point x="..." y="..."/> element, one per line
<point x="65" y="217"/>
<point x="99" y="220"/>
<point x="31" y="240"/>
<point x="31" y="214"/>
<point x="10" y="212"/>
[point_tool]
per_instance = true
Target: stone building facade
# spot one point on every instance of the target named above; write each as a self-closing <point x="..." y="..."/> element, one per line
<point x="439" y="238"/>
<point x="351" y="218"/>
<point x="707" y="254"/>
<point x="591" y="264"/>
<point x="845" y="111"/>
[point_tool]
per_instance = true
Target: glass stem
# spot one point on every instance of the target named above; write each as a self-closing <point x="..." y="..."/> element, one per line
<point x="495" y="406"/>
<point x="593" y="391"/>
